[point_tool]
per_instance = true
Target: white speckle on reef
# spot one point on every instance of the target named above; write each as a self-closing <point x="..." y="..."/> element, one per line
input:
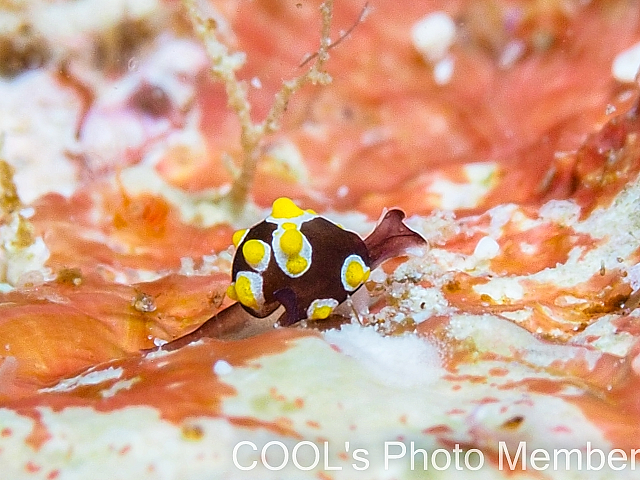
<point x="118" y="386"/>
<point x="433" y="35"/>
<point x="187" y="266"/>
<point x="502" y="290"/>
<point x="625" y="65"/>
<point x="486" y="248"/>
<point x="563" y="212"/>
<point x="402" y="361"/>
<point x="28" y="212"/>
<point x="443" y="70"/>
<point x="256" y="83"/>
<point x="512" y="52"/>
<point x="94" y="377"/>
<point x="222" y="367"/>
<point x="481" y="178"/>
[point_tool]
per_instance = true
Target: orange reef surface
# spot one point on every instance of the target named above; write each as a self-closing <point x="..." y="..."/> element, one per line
<point x="519" y="165"/>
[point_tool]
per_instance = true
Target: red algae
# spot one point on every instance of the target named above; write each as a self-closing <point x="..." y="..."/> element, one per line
<point x="611" y="403"/>
<point x="31" y="467"/>
<point x="362" y="116"/>
<point x="54" y="349"/>
<point x="552" y="245"/>
<point x="627" y="324"/>
<point x="460" y="294"/>
<point x="463" y="243"/>
<point x="179" y="385"/>
<point x="486" y="400"/>
<point x="362" y="113"/>
<point x="456" y="411"/>
<point x="608" y="396"/>
<point x="600" y="295"/>
<point x="100" y="323"/>
<point x="438" y="430"/>
<point x="324" y="476"/>
<point x="538" y="385"/>
<point x="608" y="161"/>
<point x="140" y="232"/>
<point x="253" y="424"/>
<point x="39" y="434"/>
<point x="390" y="265"/>
<point x="466" y="378"/>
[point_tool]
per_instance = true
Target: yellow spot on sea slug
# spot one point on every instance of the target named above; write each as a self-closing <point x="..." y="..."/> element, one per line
<point x="291" y="242"/>
<point x="245" y="293"/>
<point x="356" y="274"/>
<point x="284" y="208"/>
<point x="231" y="292"/>
<point x="253" y="252"/>
<point x="321" y="313"/>
<point x="296" y="265"/>
<point x="237" y="237"/>
<point x="321" y="308"/>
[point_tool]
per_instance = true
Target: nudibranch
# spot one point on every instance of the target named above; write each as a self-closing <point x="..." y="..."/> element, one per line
<point x="302" y="261"/>
<point x="297" y="259"/>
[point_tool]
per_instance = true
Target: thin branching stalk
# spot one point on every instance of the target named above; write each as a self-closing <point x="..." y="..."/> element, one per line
<point x="224" y="67"/>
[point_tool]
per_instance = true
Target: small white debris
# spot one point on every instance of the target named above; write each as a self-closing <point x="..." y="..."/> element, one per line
<point x="486" y="248"/>
<point x="374" y="136"/>
<point x="118" y="386"/>
<point x="88" y="378"/>
<point x="443" y="70"/>
<point x="433" y="35"/>
<point x="159" y="353"/>
<point x="378" y="276"/>
<point x="27" y="212"/>
<point x="222" y="367"/>
<point x="501" y="290"/>
<point x="625" y="65"/>
<point x="256" y="83"/>
<point x="158" y="342"/>
<point x="518" y="315"/>
<point x="563" y="212"/>
<point x="512" y="53"/>
<point x="343" y="191"/>
<point x="187" y="266"/>
<point x="528" y="248"/>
